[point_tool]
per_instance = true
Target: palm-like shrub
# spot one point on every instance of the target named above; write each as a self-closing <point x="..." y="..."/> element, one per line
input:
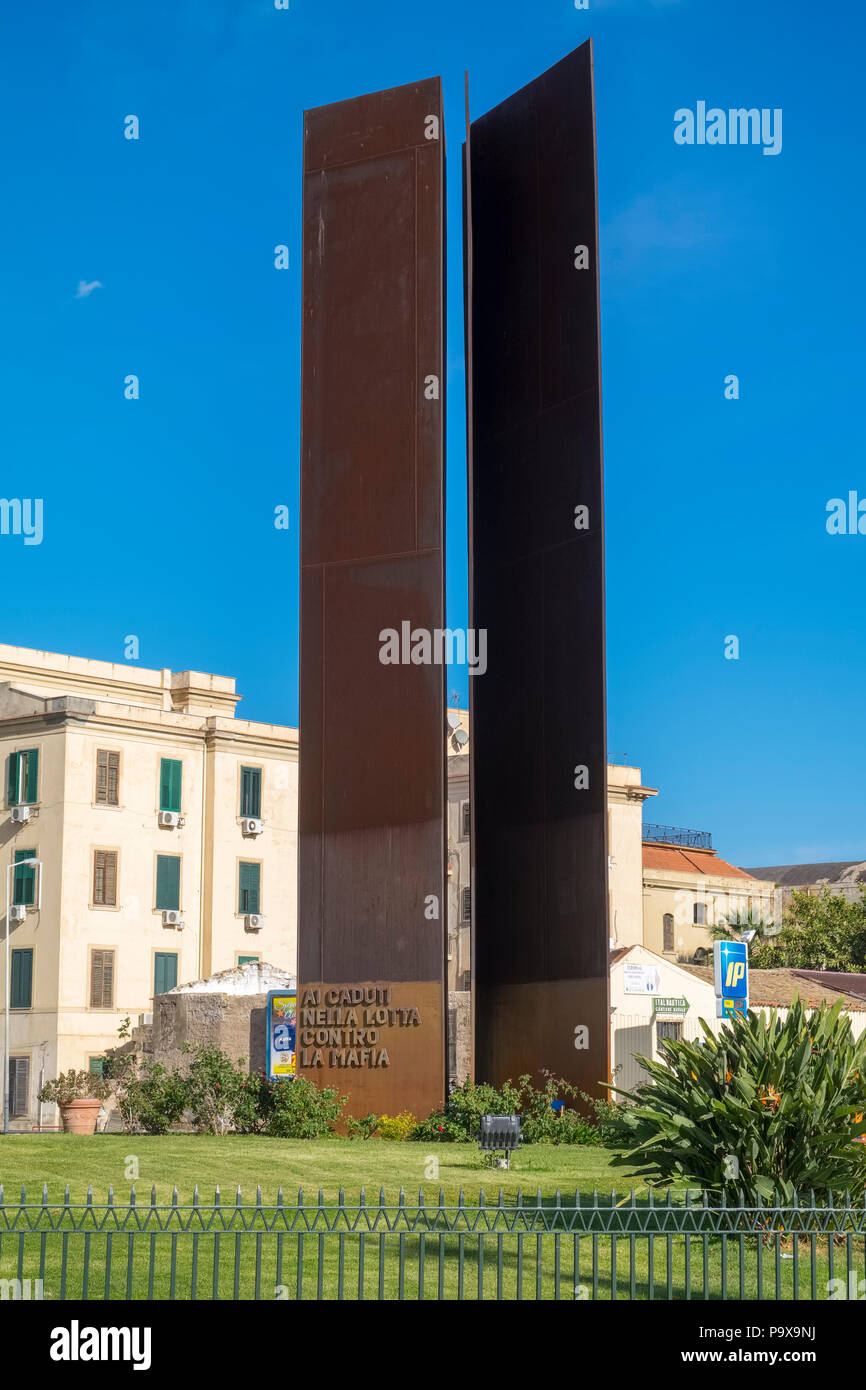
<point x="771" y="1105"/>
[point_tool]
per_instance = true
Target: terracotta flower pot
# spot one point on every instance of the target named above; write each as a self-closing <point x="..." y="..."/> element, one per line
<point x="79" y="1116"/>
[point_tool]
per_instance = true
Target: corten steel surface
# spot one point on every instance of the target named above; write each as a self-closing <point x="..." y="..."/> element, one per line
<point x="372" y="736"/>
<point x="537" y="584"/>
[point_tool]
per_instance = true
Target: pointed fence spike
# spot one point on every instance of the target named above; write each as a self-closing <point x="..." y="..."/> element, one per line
<point x="153" y="1195"/>
<point x="381" y="1196"/>
<point x="89" y="1194"/>
<point x="195" y="1195"/>
<point x="111" y="1194"/>
<point x="44" y="1194"/>
<point x="300" y="1196"/>
<point x="23" y="1196"/>
<point x="174" y="1195"/>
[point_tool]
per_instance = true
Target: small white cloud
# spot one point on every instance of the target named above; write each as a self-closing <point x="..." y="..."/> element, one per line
<point x="85" y="288"/>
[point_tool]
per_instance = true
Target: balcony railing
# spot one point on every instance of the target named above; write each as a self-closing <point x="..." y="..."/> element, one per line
<point x="676" y="835"/>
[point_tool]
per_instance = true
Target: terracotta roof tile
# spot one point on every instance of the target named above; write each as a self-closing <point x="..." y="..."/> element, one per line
<point x="779" y="987"/>
<point x="689" y="861"/>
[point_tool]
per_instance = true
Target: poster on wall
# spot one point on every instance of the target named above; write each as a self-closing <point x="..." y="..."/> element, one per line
<point x="641" y="979"/>
<point x="282" y="1010"/>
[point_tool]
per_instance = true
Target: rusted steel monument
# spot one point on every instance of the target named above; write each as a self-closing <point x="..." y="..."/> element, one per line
<point x="372" y="900"/>
<point x="372" y="888"/>
<point x="538" y="724"/>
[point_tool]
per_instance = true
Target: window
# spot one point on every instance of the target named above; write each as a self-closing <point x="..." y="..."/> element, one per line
<point x="167" y="882"/>
<point x="465" y="820"/>
<point x="24" y="879"/>
<point x="22" y="979"/>
<point x="668" y="931"/>
<point x="248" y="960"/>
<point x="107" y="776"/>
<point x="101" y="979"/>
<point x="23" y="784"/>
<point x="249" y="887"/>
<point x="700" y="914"/>
<point x="466" y="905"/>
<point x="164" y="971"/>
<point x="251" y="792"/>
<point x="96" y="1066"/>
<point x="19" y="1086"/>
<point x="170" y="778"/>
<point x="105" y="878"/>
<point x="668" y="1031"/>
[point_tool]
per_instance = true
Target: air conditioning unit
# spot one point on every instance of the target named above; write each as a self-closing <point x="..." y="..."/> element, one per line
<point x="17" y="913"/>
<point x="250" y="825"/>
<point x="20" y="814"/>
<point x="253" y="921"/>
<point x="170" y="820"/>
<point x="172" y="918"/>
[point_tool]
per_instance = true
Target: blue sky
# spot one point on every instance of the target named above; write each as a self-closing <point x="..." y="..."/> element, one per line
<point x="158" y="512"/>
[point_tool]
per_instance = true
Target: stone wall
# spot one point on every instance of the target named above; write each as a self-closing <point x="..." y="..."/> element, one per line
<point x="459" y="1035"/>
<point x="233" y="1023"/>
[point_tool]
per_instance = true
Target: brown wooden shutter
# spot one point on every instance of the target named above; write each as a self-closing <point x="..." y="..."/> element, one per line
<point x="107" y="776"/>
<point x="105" y="877"/>
<point x="101" y="979"/>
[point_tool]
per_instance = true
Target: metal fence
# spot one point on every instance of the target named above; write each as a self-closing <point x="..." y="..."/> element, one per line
<point x="583" y="1248"/>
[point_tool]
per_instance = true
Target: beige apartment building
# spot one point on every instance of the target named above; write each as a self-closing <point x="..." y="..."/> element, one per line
<point x="165" y="834"/>
<point x="688" y="890"/>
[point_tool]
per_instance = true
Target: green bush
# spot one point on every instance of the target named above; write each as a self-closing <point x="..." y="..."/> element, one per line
<point x="299" y="1109"/>
<point x="217" y="1091"/>
<point x="540" y="1124"/>
<point x="150" y="1100"/>
<point x="769" y="1105"/>
<point x="361" y="1129"/>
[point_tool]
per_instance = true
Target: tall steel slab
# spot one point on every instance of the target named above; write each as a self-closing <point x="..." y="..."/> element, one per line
<point x="539" y="770"/>
<point x="371" y="997"/>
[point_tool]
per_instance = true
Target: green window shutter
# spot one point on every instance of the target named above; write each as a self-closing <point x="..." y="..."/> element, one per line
<point x="24" y="879"/>
<point x="19" y="1086"/>
<point x="168" y="882"/>
<point x="96" y="1065"/>
<point x="170" y="774"/>
<point x="251" y="791"/>
<point x="22" y="979"/>
<point x="164" y="971"/>
<point x="249" y="884"/>
<point x="245" y="960"/>
<point x="31" y="778"/>
<point x="12" y="781"/>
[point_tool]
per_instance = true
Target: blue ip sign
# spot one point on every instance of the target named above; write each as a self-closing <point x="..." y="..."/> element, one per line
<point x="731" y="969"/>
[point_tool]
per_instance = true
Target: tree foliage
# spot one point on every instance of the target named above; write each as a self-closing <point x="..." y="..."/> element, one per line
<point x="824" y="932"/>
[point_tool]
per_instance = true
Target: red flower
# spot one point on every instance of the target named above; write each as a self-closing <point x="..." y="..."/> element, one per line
<point x="441" y="1129"/>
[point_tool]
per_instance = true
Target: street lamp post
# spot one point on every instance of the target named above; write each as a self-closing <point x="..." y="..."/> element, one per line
<point x="10" y="869"/>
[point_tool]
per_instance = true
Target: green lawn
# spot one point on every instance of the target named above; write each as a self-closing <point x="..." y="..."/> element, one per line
<point x="130" y="1254"/>
<point x="182" y="1160"/>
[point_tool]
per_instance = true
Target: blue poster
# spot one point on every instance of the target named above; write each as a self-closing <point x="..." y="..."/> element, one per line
<point x="282" y="1012"/>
